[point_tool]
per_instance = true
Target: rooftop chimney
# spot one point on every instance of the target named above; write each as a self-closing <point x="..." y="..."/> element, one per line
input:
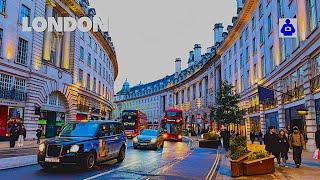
<point x="218" y="30"/>
<point x="224" y="35"/>
<point x="197" y="52"/>
<point x="178" y="65"/>
<point x="191" y="59"/>
<point x="239" y="5"/>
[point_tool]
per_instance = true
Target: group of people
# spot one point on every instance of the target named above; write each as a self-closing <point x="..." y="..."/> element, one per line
<point x="256" y="135"/>
<point x="276" y="144"/>
<point x="17" y="133"/>
<point x="279" y="145"/>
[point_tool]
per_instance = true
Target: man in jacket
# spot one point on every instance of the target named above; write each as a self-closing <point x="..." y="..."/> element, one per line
<point x="271" y="140"/>
<point x="296" y="141"/>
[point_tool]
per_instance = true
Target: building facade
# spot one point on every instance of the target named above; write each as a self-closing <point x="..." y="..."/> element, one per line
<point x="49" y="78"/>
<point x="247" y="55"/>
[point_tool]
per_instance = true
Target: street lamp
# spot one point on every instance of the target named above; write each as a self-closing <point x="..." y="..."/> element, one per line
<point x="302" y="111"/>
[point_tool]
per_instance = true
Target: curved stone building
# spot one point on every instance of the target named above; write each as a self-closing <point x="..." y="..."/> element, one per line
<point x="48" y="78"/>
<point x="249" y="53"/>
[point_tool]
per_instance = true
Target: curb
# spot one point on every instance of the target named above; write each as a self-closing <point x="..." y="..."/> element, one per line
<point x="17" y="148"/>
<point x="189" y="141"/>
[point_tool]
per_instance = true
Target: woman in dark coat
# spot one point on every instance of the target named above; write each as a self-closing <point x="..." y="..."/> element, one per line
<point x="14" y="133"/>
<point x="283" y="148"/>
<point x="252" y="136"/>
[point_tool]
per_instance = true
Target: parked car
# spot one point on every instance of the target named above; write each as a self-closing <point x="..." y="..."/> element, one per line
<point x="84" y="144"/>
<point x="148" y="138"/>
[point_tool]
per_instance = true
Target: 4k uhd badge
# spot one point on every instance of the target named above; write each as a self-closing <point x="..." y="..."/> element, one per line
<point x="288" y="28"/>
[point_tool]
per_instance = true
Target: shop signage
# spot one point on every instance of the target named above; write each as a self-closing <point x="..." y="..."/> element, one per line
<point x="10" y="103"/>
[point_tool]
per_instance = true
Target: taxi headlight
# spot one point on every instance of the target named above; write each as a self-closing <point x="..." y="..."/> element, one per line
<point x="135" y="139"/>
<point x="42" y="147"/>
<point x="74" y="148"/>
<point x="153" y="140"/>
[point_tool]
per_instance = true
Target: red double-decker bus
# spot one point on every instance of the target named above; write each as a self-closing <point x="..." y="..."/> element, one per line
<point x="133" y="121"/>
<point x="171" y="125"/>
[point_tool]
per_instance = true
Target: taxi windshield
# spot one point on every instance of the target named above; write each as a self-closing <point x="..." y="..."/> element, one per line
<point x="79" y="130"/>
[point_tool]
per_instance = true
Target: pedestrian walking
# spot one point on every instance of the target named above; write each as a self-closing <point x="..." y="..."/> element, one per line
<point x="317" y="137"/>
<point x="39" y="134"/>
<point x="252" y="136"/>
<point x="283" y="148"/>
<point x="14" y="132"/>
<point x="22" y="136"/>
<point x="225" y="134"/>
<point x="297" y="143"/>
<point x="260" y="137"/>
<point x="271" y="141"/>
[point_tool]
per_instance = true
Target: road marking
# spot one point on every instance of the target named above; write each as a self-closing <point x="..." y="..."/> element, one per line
<point x="116" y="169"/>
<point x="214" y="167"/>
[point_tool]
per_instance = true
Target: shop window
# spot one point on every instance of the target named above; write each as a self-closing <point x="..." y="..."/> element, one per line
<point x="20" y="84"/>
<point x="5" y="82"/>
<point x="1" y="36"/>
<point x="2" y="6"/>
<point x="24" y="12"/>
<point x="311" y="13"/>
<point x="22" y="52"/>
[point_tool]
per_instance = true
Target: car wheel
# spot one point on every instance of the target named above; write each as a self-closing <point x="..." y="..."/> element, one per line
<point x="89" y="161"/>
<point x="46" y="167"/>
<point x="122" y="154"/>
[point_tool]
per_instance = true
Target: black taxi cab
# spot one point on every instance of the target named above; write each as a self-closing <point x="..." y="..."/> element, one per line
<point x="84" y="144"/>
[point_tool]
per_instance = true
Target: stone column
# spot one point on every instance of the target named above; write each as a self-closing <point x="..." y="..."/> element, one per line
<point x="48" y="35"/>
<point x="180" y="99"/>
<point x="262" y="120"/>
<point x="197" y="90"/>
<point x="191" y="93"/>
<point x="281" y="110"/>
<point x="65" y="61"/>
<point x="203" y="87"/>
<point x="58" y="49"/>
<point x="310" y="119"/>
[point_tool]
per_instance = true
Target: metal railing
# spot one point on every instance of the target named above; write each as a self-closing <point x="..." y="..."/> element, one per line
<point x="253" y="109"/>
<point x="296" y="93"/>
<point x="270" y="103"/>
<point x="13" y="95"/>
<point x="83" y="108"/>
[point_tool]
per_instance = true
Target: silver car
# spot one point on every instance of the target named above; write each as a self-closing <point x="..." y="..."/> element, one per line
<point x="148" y="138"/>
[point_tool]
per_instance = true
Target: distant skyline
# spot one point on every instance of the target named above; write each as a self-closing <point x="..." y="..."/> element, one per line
<point x="149" y="34"/>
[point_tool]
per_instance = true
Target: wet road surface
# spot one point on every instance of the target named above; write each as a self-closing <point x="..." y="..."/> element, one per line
<point x="174" y="161"/>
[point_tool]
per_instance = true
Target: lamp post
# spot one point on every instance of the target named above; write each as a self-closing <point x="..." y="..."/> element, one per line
<point x="302" y="111"/>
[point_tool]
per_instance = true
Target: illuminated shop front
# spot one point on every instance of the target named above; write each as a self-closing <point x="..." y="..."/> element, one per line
<point x="10" y="115"/>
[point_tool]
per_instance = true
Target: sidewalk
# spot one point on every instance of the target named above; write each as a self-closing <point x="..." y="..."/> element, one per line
<point x="310" y="169"/>
<point x="27" y="144"/>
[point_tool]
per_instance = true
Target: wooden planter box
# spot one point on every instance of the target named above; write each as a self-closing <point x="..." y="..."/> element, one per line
<point x="259" y="166"/>
<point x="214" y="144"/>
<point x="237" y="166"/>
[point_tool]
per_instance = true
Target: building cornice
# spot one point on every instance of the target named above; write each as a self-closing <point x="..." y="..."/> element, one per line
<point x="78" y="11"/>
<point x="242" y="20"/>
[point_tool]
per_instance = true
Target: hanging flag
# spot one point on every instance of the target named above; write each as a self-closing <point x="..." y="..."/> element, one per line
<point x="265" y="94"/>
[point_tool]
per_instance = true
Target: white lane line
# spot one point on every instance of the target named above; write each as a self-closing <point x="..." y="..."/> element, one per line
<point x="123" y="167"/>
<point x="119" y="168"/>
